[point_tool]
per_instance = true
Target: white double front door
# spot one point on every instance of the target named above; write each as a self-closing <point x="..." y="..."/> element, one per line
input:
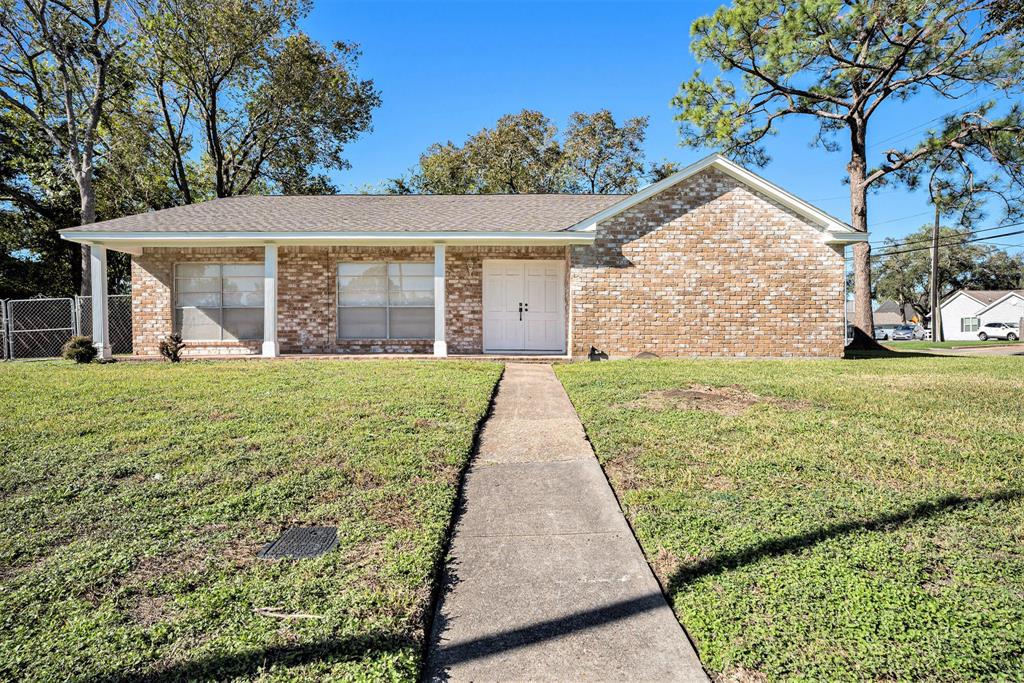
<point x="524" y="306"/>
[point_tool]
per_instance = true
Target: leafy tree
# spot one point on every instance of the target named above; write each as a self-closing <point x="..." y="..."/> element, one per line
<point x="964" y="177"/>
<point x="838" y="62"/>
<point x="904" y="276"/>
<point x="40" y="197"/>
<point x="602" y="156"/>
<point x="61" y="66"/>
<point x="36" y="197"/>
<point x="1000" y="270"/>
<point x="523" y="153"/>
<point x="269" y="103"/>
<point x="520" y="154"/>
<point x="444" y="169"/>
<point x="659" y="170"/>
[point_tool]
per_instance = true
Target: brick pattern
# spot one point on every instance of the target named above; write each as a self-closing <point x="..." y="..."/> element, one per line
<point x="464" y="272"/>
<point x="153" y="306"/>
<point x="307" y="319"/>
<point x="708" y="268"/>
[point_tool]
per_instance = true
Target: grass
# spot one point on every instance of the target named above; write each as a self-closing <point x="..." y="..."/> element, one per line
<point x="825" y="520"/>
<point x="133" y="498"/>
<point x="924" y="345"/>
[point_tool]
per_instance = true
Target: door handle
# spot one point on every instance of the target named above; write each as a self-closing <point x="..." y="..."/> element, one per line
<point x="520" y="310"/>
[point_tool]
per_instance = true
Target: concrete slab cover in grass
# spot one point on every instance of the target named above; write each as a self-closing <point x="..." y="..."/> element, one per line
<point x="545" y="580"/>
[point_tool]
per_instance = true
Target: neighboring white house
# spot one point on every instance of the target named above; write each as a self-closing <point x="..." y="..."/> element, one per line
<point x="964" y="312"/>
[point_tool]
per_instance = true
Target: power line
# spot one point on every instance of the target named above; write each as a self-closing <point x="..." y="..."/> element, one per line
<point x="950" y="244"/>
<point x="913" y="129"/>
<point x="954" y="240"/>
<point x="903" y="218"/>
<point x="903" y="243"/>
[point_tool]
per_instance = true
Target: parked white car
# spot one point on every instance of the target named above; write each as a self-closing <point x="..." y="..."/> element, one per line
<point x="1007" y="331"/>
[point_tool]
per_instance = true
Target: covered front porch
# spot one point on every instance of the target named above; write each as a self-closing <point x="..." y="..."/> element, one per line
<point x="443" y="298"/>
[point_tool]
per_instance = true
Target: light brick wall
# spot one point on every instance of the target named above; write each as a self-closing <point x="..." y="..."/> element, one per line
<point x="306" y="306"/>
<point x="152" y="303"/>
<point x="307" y="319"/>
<point x="708" y="268"/>
<point x="464" y="268"/>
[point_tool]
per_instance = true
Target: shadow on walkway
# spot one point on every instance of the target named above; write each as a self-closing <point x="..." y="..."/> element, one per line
<point x="547" y="630"/>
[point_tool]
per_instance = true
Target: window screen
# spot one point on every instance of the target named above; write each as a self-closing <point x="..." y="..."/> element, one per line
<point x="218" y="302"/>
<point x="385" y="301"/>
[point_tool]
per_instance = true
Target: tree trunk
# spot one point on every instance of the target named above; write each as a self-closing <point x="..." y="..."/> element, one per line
<point x="863" y="320"/>
<point x="933" y="282"/>
<point x="87" y="195"/>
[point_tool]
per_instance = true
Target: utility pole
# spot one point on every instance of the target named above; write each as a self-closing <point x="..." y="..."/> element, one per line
<point x="933" y="281"/>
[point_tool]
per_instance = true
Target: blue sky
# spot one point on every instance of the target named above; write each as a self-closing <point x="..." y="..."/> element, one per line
<point x="447" y="69"/>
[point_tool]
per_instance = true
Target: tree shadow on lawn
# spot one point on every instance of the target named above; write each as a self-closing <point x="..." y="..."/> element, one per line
<point x="253" y="662"/>
<point x="888" y="354"/>
<point x="791" y="544"/>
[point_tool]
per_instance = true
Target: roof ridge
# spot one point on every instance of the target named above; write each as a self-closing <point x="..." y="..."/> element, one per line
<point x="397" y="196"/>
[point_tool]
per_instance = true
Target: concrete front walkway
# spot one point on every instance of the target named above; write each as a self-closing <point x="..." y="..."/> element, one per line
<point x="545" y="580"/>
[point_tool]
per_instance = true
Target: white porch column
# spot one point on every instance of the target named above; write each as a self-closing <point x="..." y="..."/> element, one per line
<point x="270" y="300"/>
<point x="440" y="344"/>
<point x="100" y="306"/>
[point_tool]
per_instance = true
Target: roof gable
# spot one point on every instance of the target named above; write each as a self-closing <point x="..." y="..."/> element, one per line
<point x="1014" y="293"/>
<point x="835" y="230"/>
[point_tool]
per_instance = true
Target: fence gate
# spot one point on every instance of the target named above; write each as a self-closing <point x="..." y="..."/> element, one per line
<point x="39" y="328"/>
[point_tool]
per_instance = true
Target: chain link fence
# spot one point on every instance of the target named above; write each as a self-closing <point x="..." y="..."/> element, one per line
<point x="3" y="331"/>
<point x="39" y="327"/>
<point x="119" y="320"/>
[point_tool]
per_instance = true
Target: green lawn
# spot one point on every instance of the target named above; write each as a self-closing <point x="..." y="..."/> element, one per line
<point x="133" y="498"/>
<point x="922" y="345"/>
<point x="823" y="520"/>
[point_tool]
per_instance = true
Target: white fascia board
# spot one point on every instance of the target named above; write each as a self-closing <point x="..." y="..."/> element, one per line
<point x="998" y="301"/>
<point x="836" y="231"/>
<point x="125" y="241"/>
<point x="954" y="295"/>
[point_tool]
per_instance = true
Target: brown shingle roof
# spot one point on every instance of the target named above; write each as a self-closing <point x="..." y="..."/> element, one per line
<point x="371" y="213"/>
<point x="989" y="296"/>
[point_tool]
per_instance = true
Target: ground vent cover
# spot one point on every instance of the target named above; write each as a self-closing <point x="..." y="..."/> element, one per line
<point x="301" y="542"/>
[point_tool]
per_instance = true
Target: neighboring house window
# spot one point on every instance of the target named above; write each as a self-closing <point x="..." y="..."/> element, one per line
<point x="385" y="301"/>
<point x="968" y="324"/>
<point x="218" y="302"/>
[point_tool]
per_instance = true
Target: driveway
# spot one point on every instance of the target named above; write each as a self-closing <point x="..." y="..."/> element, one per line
<point x="994" y="350"/>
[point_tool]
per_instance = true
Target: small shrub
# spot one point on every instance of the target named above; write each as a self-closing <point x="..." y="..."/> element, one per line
<point x="171" y="346"/>
<point x="80" y="350"/>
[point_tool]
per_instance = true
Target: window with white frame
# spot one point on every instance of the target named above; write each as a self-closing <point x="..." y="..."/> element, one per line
<point x="385" y="300"/>
<point x="218" y="301"/>
<point x="969" y="324"/>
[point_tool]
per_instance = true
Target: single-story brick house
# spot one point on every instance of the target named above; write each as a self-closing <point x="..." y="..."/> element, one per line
<point x="712" y="261"/>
